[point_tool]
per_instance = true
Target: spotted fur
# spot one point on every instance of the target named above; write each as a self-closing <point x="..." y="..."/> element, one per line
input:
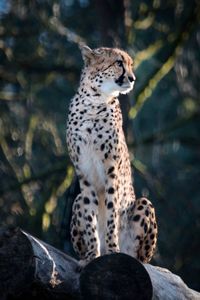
<point x="106" y="216"/>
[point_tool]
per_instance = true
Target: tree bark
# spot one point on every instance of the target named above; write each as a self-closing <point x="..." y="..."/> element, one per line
<point x="168" y="286"/>
<point x="31" y="269"/>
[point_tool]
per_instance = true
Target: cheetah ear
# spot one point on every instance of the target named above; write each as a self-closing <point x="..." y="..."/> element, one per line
<point x="87" y="53"/>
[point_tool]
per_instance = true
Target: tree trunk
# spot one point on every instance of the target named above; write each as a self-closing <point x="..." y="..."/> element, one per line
<point x="31" y="269"/>
<point x="111" y="16"/>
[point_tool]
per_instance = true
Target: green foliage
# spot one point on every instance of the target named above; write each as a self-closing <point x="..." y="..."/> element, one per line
<point x="39" y="72"/>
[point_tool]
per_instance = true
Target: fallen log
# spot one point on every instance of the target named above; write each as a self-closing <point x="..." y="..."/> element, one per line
<point x="168" y="286"/>
<point x="115" y="276"/>
<point x="32" y="269"/>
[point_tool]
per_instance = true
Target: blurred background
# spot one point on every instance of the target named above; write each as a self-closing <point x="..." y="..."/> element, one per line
<point x="40" y="66"/>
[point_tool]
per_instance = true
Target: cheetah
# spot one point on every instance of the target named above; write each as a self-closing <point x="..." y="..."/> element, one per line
<point x="106" y="216"/>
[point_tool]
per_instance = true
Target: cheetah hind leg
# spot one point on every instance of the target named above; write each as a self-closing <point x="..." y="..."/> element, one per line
<point x="143" y="227"/>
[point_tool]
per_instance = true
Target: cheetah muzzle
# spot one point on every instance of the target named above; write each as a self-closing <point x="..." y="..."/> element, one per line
<point x="106" y="217"/>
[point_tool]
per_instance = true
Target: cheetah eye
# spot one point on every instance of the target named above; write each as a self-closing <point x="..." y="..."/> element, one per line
<point x="119" y="63"/>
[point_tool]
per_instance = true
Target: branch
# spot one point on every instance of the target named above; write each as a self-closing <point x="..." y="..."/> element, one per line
<point x="37" y="67"/>
<point x="165" y="132"/>
<point x="61" y="167"/>
<point x="64" y="31"/>
<point x="154" y="77"/>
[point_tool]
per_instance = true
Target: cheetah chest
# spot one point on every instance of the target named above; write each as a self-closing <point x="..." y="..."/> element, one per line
<point x="92" y="167"/>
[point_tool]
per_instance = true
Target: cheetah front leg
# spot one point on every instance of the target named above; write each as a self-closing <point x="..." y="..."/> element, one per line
<point x="142" y="231"/>
<point x="112" y="211"/>
<point x="84" y="235"/>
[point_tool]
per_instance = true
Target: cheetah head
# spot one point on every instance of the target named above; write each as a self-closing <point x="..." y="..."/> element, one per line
<point x="109" y="70"/>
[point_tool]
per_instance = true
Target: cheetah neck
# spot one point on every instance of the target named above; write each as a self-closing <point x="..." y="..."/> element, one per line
<point x="90" y="90"/>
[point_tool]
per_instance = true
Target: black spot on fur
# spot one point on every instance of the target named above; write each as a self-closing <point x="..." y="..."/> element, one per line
<point x="102" y="147"/>
<point x="86" y="200"/>
<point x="111" y="190"/>
<point x="89" y="218"/>
<point x="75" y="232"/>
<point x="144" y="202"/>
<point x="136" y="218"/>
<point x="89" y="130"/>
<point x="140" y="207"/>
<point x="110" y="205"/>
<point x="110" y="170"/>
<point x="86" y="183"/>
<point x="96" y="202"/>
<point x="78" y="246"/>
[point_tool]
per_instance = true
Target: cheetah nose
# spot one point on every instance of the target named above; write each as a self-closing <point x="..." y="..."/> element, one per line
<point x="132" y="78"/>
